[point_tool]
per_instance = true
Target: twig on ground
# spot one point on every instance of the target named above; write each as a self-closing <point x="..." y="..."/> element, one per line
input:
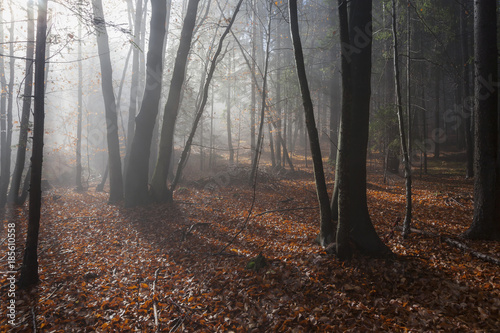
<point x="462" y="246"/>
<point x="33" y="316"/>
<point x="191" y="227"/>
<point x="155" y="309"/>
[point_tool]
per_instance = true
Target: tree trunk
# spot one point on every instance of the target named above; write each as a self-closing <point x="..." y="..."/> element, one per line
<point x="437" y="127"/>
<point x="159" y="190"/>
<point x="6" y="118"/>
<point x="115" y="169"/>
<point x="134" y="87"/>
<point x="354" y="219"/>
<point x="136" y="177"/>
<point x="253" y="97"/>
<point x="29" y="268"/>
<point x="326" y="234"/>
<point x="25" y="114"/>
<point x="260" y="135"/>
<point x="402" y="136"/>
<point x="79" y="185"/>
<point x="486" y="220"/>
<point x="201" y="107"/>
<point x="466" y="108"/>
<point x="228" y="115"/>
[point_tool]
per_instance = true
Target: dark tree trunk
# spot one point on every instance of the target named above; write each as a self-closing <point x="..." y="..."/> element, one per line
<point x="29" y="268"/>
<point x="136" y="178"/>
<point x="25" y="114"/>
<point x="354" y="219"/>
<point x="466" y="90"/>
<point x="326" y="235"/>
<point x="115" y="169"/>
<point x="159" y="190"/>
<point x="437" y="114"/>
<point x="486" y="220"/>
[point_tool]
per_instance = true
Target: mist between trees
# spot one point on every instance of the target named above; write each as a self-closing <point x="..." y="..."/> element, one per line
<point x="147" y="95"/>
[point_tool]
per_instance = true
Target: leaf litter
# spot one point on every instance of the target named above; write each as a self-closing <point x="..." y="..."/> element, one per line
<point x="106" y="268"/>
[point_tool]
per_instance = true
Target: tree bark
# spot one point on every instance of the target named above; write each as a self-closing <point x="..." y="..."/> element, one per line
<point x="25" y="113"/>
<point x="114" y="158"/>
<point x="326" y="234"/>
<point x="486" y="220"/>
<point x="136" y="177"/>
<point x="354" y="219"/>
<point x="134" y="87"/>
<point x="402" y="134"/>
<point x="29" y="268"/>
<point x="159" y="190"/>
<point x="466" y="90"/>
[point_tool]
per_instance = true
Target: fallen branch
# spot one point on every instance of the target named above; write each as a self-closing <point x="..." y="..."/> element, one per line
<point x="155" y="308"/>
<point x="462" y="246"/>
<point x="188" y="230"/>
<point x="33" y="316"/>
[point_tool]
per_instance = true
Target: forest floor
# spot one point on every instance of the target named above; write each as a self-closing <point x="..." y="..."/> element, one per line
<point x="182" y="267"/>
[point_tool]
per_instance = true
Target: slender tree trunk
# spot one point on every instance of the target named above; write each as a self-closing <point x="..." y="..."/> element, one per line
<point x="253" y="97"/>
<point x="114" y="158"/>
<point x="136" y="181"/>
<point x="228" y="116"/>
<point x="104" y="178"/>
<point x="486" y="220"/>
<point x="6" y="116"/>
<point x="25" y="114"/>
<point x="402" y="136"/>
<point x="277" y="126"/>
<point x="201" y="107"/>
<point x="29" y="268"/>
<point x="159" y="190"/>
<point x="437" y="116"/>
<point x="326" y="235"/>
<point x="79" y="185"/>
<point x="134" y="87"/>
<point x="260" y="135"/>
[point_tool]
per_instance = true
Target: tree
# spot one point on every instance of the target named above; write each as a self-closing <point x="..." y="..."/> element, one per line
<point x="204" y="98"/>
<point x="25" y="114"/>
<point x="260" y="135"/>
<point x="402" y="134"/>
<point x="326" y="234"/>
<point x="469" y="144"/>
<point x="354" y="221"/>
<point x="159" y="190"/>
<point x="136" y="177"/>
<point x="79" y="185"/>
<point x="29" y="268"/>
<point x="486" y="220"/>
<point x="7" y="120"/>
<point x="134" y="87"/>
<point x="114" y="159"/>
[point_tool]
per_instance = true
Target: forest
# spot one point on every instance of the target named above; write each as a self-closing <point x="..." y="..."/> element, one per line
<point x="249" y="166"/>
